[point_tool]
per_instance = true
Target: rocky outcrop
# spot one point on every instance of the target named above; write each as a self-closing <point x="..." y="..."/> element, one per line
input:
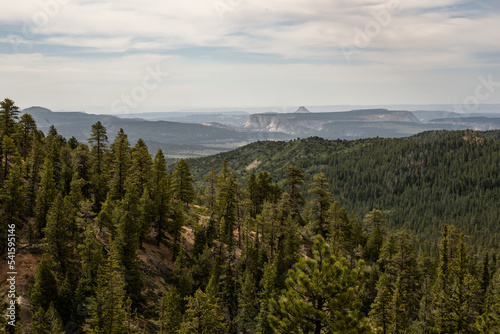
<point x="302" y="110"/>
<point x="303" y="122"/>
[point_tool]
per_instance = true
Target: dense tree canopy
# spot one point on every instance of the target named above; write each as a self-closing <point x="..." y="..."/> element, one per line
<point x="323" y="237"/>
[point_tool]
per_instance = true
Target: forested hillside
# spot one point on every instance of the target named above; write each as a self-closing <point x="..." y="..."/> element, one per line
<point x="107" y="239"/>
<point x="418" y="182"/>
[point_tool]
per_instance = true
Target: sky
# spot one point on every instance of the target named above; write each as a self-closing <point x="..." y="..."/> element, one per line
<point x="132" y="56"/>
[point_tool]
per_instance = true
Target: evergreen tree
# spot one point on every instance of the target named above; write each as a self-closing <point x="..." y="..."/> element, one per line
<point x="381" y="313"/>
<point x="47" y="193"/>
<point x="267" y="297"/>
<point x="171" y="312"/>
<point x="91" y="258"/>
<point x="175" y="228"/>
<point x="322" y="201"/>
<point x="247" y="312"/>
<point x="182" y="182"/>
<point x="44" y="291"/>
<point x="146" y="215"/>
<point x="8" y="117"/>
<point x="202" y="316"/>
<point x="293" y="179"/>
<point x="57" y="233"/>
<point x="140" y="169"/>
<point x="27" y="127"/>
<point x="120" y="164"/>
<point x="10" y="157"/>
<point x="47" y="322"/>
<point x="210" y="192"/>
<point x="374" y="221"/>
<point x="127" y="242"/>
<point x="227" y="203"/>
<point x="12" y="204"/>
<point x="321" y="295"/>
<point x="456" y="288"/>
<point x="98" y="139"/>
<point x="107" y="307"/>
<point x="200" y="240"/>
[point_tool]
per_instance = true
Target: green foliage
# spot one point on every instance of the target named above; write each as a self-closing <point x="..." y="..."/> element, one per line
<point x="44" y="291"/>
<point x="47" y="193"/>
<point x="171" y="312"/>
<point x="321" y="295"/>
<point x="57" y="232"/>
<point x="120" y="164"/>
<point x="8" y="117"/>
<point x="202" y="316"/>
<point x="255" y="254"/>
<point x="107" y="307"/>
<point x="47" y="322"/>
<point x="182" y="182"/>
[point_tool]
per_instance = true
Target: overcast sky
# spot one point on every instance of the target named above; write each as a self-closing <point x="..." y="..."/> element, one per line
<point x="134" y="56"/>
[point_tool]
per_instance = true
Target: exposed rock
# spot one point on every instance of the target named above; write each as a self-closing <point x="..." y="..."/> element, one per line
<point x="302" y="110"/>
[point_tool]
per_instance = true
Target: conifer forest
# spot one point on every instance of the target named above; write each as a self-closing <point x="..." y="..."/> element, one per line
<point x="306" y="236"/>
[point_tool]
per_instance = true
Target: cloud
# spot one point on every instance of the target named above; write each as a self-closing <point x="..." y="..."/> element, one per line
<point x="245" y="52"/>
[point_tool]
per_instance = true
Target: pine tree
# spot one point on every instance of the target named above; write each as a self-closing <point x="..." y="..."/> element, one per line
<point x="321" y="295"/>
<point x="247" y="312"/>
<point x="146" y="215"/>
<point x="202" y="316"/>
<point x="266" y="189"/>
<point x="32" y="173"/>
<point x="120" y="164"/>
<point x="47" y="322"/>
<point x="8" y="117"/>
<point x="267" y="297"/>
<point x="141" y="164"/>
<point x="374" y="221"/>
<point x="322" y="201"/>
<point x="105" y="216"/>
<point x="227" y="203"/>
<point x="268" y="220"/>
<point x="66" y="300"/>
<point x="176" y="227"/>
<point x="227" y="293"/>
<point x="210" y="192"/>
<point x="10" y="157"/>
<point x="57" y="233"/>
<point x="456" y="290"/>
<point x="91" y="258"/>
<point x="182" y="182"/>
<point x="44" y="290"/>
<point x="98" y="139"/>
<point x="126" y="243"/>
<point x="200" y="240"/>
<point x="171" y="312"/>
<point x="293" y="179"/>
<point x="47" y="193"/>
<point x="162" y="209"/>
<point x="12" y="204"/>
<point x="381" y="313"/>
<point x="107" y="308"/>
<point x="27" y="126"/>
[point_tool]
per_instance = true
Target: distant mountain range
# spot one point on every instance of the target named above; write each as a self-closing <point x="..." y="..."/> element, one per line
<point x="192" y="134"/>
<point x="174" y="138"/>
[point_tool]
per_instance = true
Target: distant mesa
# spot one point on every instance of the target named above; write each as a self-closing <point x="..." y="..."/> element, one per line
<point x="302" y="110"/>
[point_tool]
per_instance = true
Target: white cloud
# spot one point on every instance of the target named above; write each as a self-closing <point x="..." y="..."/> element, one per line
<point x="424" y="37"/>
